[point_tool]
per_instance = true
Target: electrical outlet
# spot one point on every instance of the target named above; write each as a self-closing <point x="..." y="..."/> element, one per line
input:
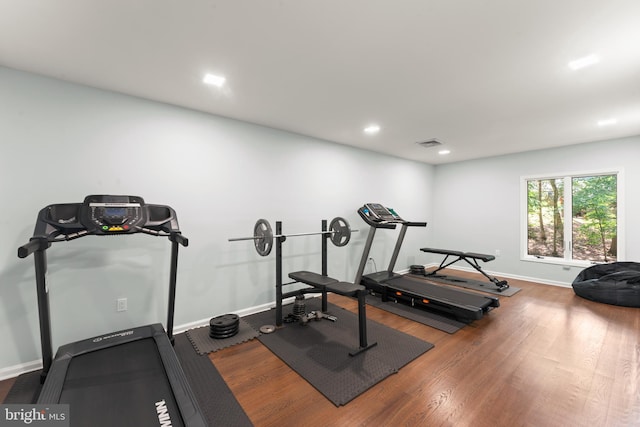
<point x="498" y="252"/>
<point x="121" y="304"/>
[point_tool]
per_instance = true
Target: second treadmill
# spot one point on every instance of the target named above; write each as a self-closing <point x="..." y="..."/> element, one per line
<point x="463" y="305"/>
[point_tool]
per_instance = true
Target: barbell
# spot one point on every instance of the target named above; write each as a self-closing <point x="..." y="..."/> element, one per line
<point x="263" y="236"/>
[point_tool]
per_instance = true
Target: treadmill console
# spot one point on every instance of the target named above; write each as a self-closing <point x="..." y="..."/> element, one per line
<point x="102" y="214"/>
<point x="377" y="212"/>
<point x="105" y="215"/>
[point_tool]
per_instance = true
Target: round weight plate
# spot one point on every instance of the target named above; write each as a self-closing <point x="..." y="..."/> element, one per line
<point x="224" y="321"/>
<point x="225" y="318"/>
<point x="263" y="237"/>
<point x="340" y="231"/>
<point x="267" y="329"/>
<point x="222" y="336"/>
<point x="224" y="330"/>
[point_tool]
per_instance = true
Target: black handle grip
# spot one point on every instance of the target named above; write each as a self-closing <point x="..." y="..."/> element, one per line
<point x="415" y="224"/>
<point x="26" y="250"/>
<point x="180" y="239"/>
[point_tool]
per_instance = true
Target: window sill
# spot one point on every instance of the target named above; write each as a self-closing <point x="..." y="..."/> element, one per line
<point x="559" y="261"/>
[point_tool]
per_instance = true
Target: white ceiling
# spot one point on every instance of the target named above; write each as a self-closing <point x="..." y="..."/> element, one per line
<point x="485" y="77"/>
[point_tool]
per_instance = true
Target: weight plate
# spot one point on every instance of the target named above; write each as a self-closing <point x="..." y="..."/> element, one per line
<point x="224" y="330"/>
<point x="222" y="336"/>
<point x="224" y="321"/>
<point x="340" y="231"/>
<point x="225" y="318"/>
<point x="267" y="329"/>
<point x="263" y="237"/>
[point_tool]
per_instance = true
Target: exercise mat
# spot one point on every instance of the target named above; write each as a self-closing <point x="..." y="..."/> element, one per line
<point x="204" y="344"/>
<point x="25" y="389"/>
<point x="428" y="318"/>
<point x="218" y="404"/>
<point x="319" y="350"/>
<point x="476" y="285"/>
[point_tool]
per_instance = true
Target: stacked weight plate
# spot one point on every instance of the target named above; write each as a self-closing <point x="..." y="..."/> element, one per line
<point x="224" y="326"/>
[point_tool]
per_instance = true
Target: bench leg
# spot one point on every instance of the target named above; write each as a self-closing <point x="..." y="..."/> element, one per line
<point x="362" y="325"/>
<point x="500" y="284"/>
<point x="443" y="265"/>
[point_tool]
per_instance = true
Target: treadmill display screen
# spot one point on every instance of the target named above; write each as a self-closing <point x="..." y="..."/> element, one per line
<point x="379" y="211"/>
<point x="115" y="211"/>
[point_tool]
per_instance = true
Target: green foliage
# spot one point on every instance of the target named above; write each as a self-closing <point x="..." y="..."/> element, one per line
<point x="595" y="203"/>
<point x="544" y="207"/>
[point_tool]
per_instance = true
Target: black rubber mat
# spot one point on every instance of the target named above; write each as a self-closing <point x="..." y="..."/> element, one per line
<point x="319" y="351"/>
<point x="204" y="344"/>
<point x="25" y="389"/>
<point x="476" y="285"/>
<point x="429" y="318"/>
<point x="217" y="402"/>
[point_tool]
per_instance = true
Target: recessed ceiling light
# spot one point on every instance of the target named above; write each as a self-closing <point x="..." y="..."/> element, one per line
<point x="372" y="129"/>
<point x="584" y="62"/>
<point x="214" y="80"/>
<point x="444" y="152"/>
<point x="607" y="122"/>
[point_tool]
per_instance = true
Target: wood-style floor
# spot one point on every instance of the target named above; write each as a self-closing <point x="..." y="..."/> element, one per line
<point x="545" y="357"/>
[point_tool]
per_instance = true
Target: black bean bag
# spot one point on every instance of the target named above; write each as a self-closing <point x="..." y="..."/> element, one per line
<point x="617" y="283"/>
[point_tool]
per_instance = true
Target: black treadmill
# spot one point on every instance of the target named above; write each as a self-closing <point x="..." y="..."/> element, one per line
<point x="125" y="378"/>
<point x="463" y="305"/>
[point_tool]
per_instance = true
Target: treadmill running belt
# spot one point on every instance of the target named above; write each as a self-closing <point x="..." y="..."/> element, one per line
<point x="125" y="379"/>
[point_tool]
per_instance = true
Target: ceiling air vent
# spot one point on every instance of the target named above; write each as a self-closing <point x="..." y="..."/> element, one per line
<point x="430" y="143"/>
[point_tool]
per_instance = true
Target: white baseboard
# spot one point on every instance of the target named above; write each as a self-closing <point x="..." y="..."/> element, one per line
<point x="23" y="368"/>
<point x="244" y="312"/>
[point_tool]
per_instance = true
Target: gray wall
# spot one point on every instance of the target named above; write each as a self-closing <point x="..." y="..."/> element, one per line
<point x="477" y="203"/>
<point x="61" y="142"/>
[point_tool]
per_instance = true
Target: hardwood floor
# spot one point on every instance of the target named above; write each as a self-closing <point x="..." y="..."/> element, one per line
<point x="545" y="357"/>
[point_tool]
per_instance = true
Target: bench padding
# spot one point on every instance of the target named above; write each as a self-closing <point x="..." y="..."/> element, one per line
<point x="330" y="284"/>
<point x="312" y="279"/>
<point x="473" y="255"/>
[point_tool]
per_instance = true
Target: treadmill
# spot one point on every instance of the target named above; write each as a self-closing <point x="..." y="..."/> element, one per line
<point x="125" y="378"/>
<point x="464" y="306"/>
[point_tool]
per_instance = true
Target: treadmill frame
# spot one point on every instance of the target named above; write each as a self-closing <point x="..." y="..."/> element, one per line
<point x="181" y="391"/>
<point x="382" y="282"/>
<point x="157" y="220"/>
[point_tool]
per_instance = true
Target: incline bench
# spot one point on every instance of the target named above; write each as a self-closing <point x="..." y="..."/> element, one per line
<point x="471" y="258"/>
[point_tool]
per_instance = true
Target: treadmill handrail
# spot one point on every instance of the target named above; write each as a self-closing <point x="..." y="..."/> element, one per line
<point x="35" y="244"/>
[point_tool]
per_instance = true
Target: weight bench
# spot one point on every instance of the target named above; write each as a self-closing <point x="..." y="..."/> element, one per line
<point x="320" y="283"/>
<point x="470" y="258"/>
<point x="326" y="284"/>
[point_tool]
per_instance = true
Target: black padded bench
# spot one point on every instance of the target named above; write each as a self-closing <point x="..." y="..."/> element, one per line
<point x="332" y="285"/>
<point x="470" y="258"/>
<point x="328" y="284"/>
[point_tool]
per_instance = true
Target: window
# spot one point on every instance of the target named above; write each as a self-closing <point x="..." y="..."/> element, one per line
<point x="573" y="218"/>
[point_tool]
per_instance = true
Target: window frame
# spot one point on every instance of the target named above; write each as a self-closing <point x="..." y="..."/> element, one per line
<point x="568" y="214"/>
